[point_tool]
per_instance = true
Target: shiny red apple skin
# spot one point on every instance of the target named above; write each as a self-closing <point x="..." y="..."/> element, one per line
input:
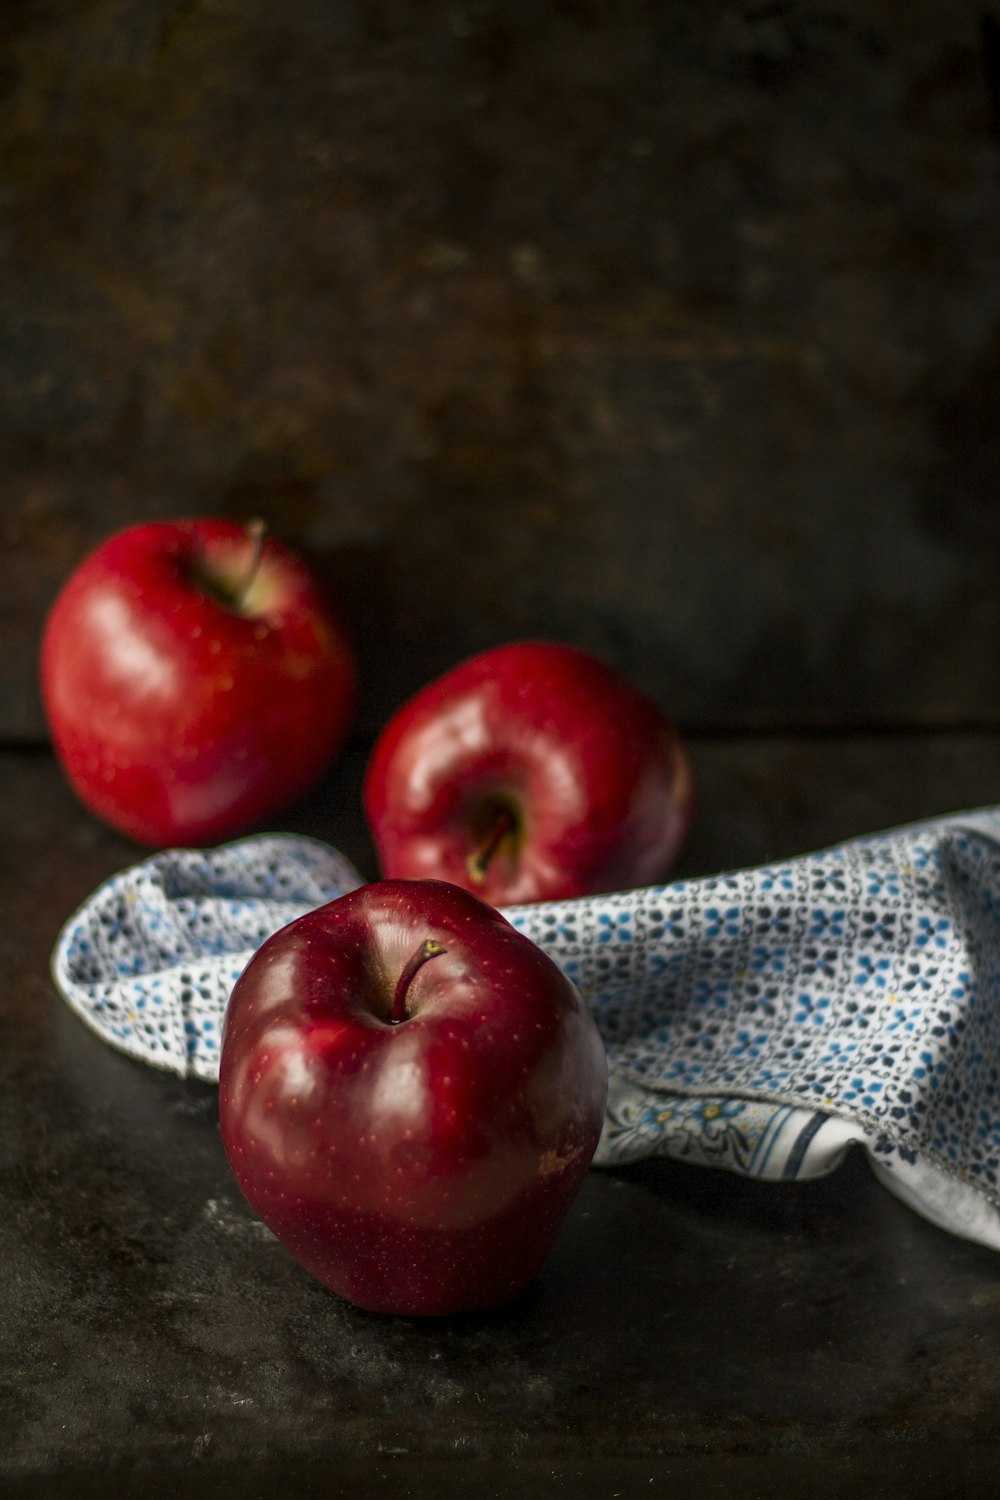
<point x="180" y="718"/>
<point x="592" y="774"/>
<point x="422" y="1167"/>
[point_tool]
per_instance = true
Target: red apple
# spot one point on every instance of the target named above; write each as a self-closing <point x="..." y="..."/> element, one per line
<point x="194" y="679"/>
<point x="410" y="1096"/>
<point x="532" y="772"/>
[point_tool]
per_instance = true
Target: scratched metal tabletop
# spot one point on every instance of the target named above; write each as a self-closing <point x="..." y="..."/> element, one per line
<point x="690" y="1328"/>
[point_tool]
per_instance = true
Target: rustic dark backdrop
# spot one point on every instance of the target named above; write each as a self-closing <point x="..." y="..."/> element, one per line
<point x="668" y="328"/>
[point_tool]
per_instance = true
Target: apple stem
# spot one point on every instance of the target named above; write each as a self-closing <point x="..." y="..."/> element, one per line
<point x="256" y="535"/>
<point x="429" y="948"/>
<point x="479" y="862"/>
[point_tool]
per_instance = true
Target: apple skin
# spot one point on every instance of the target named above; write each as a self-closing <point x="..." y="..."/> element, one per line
<point x="424" y="1166"/>
<point x="590" y="777"/>
<point x="194" y="679"/>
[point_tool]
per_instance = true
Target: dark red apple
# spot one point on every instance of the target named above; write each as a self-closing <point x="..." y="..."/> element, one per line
<point x="532" y="772"/>
<point x="194" y="679"/>
<point x="410" y="1096"/>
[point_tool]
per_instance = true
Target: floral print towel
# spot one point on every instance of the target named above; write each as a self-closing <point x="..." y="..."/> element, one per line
<point x="762" y="1020"/>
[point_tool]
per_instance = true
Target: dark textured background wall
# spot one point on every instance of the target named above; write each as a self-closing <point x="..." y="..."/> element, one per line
<point x="669" y="328"/>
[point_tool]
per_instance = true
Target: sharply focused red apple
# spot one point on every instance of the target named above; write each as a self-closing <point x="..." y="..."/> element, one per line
<point x="194" y="679"/>
<point x="410" y="1096"/>
<point x="531" y="772"/>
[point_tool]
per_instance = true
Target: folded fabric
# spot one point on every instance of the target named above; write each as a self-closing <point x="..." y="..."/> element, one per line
<point x="762" y="1020"/>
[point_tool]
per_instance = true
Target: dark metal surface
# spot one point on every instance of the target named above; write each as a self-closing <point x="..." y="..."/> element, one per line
<point x="691" y="1328"/>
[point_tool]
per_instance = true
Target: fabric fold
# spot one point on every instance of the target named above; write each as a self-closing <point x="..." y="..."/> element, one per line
<point x="762" y="1020"/>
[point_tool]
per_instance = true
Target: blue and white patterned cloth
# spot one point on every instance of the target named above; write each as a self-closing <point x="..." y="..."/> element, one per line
<point x="763" y="1020"/>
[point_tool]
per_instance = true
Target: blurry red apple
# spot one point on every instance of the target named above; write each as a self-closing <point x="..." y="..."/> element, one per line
<point x="531" y="772"/>
<point x="410" y="1096"/>
<point x="194" y="679"/>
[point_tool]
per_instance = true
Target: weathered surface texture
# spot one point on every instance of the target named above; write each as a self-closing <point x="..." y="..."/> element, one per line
<point x="692" y="1330"/>
<point x="669" y="328"/>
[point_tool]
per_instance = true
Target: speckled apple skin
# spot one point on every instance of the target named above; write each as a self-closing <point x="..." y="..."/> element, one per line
<point x="179" y="719"/>
<point x="595" y="776"/>
<point x="421" y="1167"/>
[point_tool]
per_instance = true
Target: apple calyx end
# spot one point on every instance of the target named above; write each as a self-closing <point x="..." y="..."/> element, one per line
<point x="429" y="948"/>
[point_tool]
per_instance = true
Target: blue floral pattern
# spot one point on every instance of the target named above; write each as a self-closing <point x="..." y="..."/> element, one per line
<point x="760" y="1020"/>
